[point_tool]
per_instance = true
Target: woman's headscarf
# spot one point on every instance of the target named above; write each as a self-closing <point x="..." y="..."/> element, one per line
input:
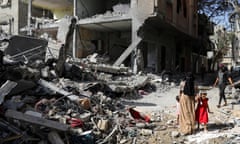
<point x="189" y="85"/>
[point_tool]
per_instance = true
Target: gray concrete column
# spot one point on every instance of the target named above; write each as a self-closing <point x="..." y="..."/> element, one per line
<point x="74" y="32"/>
<point x="135" y="26"/>
<point x="29" y="17"/>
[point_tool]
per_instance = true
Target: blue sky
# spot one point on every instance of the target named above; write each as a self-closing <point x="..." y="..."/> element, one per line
<point x="224" y="20"/>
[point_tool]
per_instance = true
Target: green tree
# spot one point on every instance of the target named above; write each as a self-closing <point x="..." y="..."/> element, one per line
<point x="216" y="11"/>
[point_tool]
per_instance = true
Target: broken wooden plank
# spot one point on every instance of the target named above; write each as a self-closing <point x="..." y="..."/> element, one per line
<point x="54" y="138"/>
<point x="36" y="120"/>
<point x="6" y="89"/>
<point x="127" y="52"/>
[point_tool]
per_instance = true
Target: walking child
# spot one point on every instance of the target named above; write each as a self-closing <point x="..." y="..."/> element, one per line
<point x="202" y="110"/>
<point x="178" y="105"/>
<point x="177" y="108"/>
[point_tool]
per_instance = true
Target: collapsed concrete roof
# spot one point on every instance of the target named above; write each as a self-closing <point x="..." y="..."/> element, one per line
<point x="112" y="23"/>
<point x="53" y="4"/>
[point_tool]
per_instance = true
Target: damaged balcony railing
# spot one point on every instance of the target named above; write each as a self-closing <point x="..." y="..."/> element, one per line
<point x="29" y="54"/>
<point x="26" y="48"/>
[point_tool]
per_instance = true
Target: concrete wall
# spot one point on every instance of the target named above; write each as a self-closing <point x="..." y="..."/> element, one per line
<point x="157" y="41"/>
<point x="169" y="43"/>
<point x="118" y="42"/>
<point x="88" y="8"/>
<point x="181" y="14"/>
<point x="19" y="11"/>
<point x="88" y="42"/>
<point x="23" y="15"/>
<point x="154" y="40"/>
<point x="13" y="10"/>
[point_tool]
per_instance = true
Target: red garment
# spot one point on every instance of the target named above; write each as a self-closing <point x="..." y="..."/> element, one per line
<point x="74" y="122"/>
<point x="202" y="111"/>
<point x="137" y="115"/>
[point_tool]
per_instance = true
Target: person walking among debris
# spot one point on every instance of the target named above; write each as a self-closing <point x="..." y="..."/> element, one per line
<point x="187" y="106"/>
<point x="178" y="100"/>
<point x="222" y="79"/>
<point x="202" y="110"/>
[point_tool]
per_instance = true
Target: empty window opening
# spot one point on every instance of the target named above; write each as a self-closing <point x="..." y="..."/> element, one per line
<point x="179" y="5"/>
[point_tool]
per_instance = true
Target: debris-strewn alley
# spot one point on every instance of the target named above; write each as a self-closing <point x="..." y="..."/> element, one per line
<point x="109" y="71"/>
<point x="82" y="106"/>
<point x="100" y="104"/>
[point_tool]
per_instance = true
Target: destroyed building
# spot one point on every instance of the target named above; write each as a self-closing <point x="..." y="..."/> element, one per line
<point x="163" y="31"/>
<point x="14" y="16"/>
<point x="80" y="100"/>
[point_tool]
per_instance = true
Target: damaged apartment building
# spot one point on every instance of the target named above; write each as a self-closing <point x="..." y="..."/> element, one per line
<point x="147" y="35"/>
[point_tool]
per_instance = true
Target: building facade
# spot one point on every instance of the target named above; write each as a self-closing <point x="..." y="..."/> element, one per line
<point x="164" y="31"/>
<point x="14" y="16"/>
<point x="152" y="35"/>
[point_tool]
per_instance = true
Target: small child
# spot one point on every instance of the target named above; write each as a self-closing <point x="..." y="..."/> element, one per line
<point x="202" y="110"/>
<point x="177" y="108"/>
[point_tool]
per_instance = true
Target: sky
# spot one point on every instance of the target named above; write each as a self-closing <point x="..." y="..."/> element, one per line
<point x="224" y="20"/>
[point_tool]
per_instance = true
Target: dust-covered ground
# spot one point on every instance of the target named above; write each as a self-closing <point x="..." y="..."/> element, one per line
<point x="223" y="126"/>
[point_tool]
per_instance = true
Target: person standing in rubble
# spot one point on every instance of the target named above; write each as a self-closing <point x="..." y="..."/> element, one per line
<point x="187" y="106"/>
<point x="222" y="78"/>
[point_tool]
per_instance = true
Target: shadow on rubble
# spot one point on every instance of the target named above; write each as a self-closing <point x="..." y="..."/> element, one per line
<point x="131" y="103"/>
<point x="219" y="126"/>
<point x="207" y="81"/>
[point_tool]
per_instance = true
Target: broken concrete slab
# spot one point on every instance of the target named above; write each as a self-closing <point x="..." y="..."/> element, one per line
<point x="129" y="84"/>
<point x="53" y="87"/>
<point x="8" y="126"/>
<point x="22" y="86"/>
<point x="5" y="89"/>
<point x="23" y="47"/>
<point x="109" y="68"/>
<point x="36" y="120"/>
<point x="55" y="138"/>
<point x="126" y="53"/>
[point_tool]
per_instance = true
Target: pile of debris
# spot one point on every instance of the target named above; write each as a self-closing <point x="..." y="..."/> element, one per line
<point x="80" y="106"/>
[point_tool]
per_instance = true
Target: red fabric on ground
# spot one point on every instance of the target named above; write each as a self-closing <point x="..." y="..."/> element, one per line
<point x="137" y="115"/>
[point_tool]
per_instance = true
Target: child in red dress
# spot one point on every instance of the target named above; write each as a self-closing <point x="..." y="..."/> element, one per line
<point x="202" y="110"/>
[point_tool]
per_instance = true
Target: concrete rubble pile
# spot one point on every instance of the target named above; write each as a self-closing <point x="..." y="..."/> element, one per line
<point x="81" y="106"/>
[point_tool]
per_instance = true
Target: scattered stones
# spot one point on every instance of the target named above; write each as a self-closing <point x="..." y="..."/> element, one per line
<point x="175" y="134"/>
<point x="146" y="132"/>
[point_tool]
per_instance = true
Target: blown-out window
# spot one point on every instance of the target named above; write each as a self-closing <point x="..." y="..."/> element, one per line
<point x="179" y="5"/>
<point x="185" y="8"/>
<point x="5" y="3"/>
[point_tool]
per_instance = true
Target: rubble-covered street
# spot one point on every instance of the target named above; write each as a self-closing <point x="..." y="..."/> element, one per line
<point x="109" y="72"/>
<point x="106" y="105"/>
